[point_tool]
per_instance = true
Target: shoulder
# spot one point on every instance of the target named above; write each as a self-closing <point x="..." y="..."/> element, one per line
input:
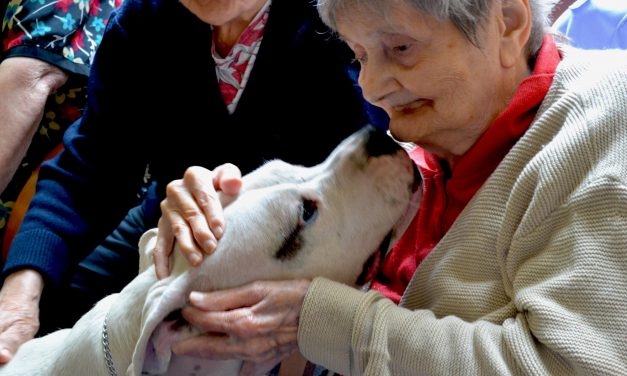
<point x="591" y="81"/>
<point x="591" y="72"/>
<point x="585" y="108"/>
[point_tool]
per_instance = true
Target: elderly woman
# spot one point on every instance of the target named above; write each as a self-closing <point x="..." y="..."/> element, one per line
<point x="515" y="262"/>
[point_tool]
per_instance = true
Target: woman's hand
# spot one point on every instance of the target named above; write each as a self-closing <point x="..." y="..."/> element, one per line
<point x="257" y="323"/>
<point x="192" y="214"/>
<point x="19" y="311"/>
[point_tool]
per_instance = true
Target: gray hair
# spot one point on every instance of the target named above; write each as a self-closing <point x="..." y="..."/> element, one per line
<point x="466" y="15"/>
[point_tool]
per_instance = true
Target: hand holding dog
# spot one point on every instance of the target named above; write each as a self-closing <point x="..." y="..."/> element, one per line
<point x="192" y="214"/>
<point x="257" y="322"/>
<point x="19" y="311"/>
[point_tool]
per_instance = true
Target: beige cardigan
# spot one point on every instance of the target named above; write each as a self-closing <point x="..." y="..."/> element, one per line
<point x="532" y="277"/>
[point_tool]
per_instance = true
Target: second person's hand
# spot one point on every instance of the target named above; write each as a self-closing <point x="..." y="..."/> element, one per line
<point x="19" y="311"/>
<point x="256" y="322"/>
<point x="192" y="214"/>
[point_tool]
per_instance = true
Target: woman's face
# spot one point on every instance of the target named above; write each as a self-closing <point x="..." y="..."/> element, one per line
<point x="440" y="91"/>
<point x="223" y="12"/>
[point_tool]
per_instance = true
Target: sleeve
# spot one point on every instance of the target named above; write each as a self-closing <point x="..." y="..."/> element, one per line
<point x="63" y="33"/>
<point x="84" y="192"/>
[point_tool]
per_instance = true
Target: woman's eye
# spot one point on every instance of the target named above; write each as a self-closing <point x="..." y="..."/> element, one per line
<point x="401" y="48"/>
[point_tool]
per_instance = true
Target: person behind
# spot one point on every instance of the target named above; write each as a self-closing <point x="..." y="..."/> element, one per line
<point x="594" y="24"/>
<point x="515" y="262"/>
<point x="43" y="77"/>
<point x="174" y="84"/>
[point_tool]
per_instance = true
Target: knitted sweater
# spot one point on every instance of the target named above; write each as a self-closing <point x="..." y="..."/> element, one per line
<point x="531" y="279"/>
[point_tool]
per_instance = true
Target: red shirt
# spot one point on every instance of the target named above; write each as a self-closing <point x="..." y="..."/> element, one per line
<point x="445" y="194"/>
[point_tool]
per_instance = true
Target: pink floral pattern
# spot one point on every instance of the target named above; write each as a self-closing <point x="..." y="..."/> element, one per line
<point x="233" y="70"/>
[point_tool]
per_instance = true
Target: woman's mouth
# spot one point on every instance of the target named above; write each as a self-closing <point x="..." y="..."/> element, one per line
<point x="412" y="106"/>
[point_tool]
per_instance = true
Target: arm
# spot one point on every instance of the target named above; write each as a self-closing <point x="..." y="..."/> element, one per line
<point x="29" y="74"/>
<point x="25" y="84"/>
<point x="99" y="149"/>
<point x="41" y="51"/>
<point x="67" y="228"/>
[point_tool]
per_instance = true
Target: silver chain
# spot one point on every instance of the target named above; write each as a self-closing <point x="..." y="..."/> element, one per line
<point x="107" y="351"/>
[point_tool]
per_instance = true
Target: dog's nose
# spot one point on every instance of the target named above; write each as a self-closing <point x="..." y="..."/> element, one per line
<point x="380" y="143"/>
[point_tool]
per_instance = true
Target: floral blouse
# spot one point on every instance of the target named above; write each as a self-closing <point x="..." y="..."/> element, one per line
<point x="64" y="33"/>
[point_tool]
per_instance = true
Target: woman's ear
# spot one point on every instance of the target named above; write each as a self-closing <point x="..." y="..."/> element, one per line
<point x="516" y="28"/>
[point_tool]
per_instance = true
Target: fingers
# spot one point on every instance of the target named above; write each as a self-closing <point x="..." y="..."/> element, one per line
<point x="196" y="204"/>
<point x="257" y="349"/>
<point x="192" y="214"/>
<point x="21" y="329"/>
<point x="257" y="322"/>
<point x="281" y="293"/>
<point x="163" y="249"/>
<point x="226" y="300"/>
<point x="173" y="225"/>
<point x="6" y="354"/>
<point x="254" y="309"/>
<point x="184" y="209"/>
<point x="262" y="368"/>
<point x="203" y="211"/>
<point x="229" y="178"/>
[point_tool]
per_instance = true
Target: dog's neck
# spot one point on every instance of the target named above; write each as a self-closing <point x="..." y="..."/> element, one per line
<point x="124" y="323"/>
<point x="107" y="348"/>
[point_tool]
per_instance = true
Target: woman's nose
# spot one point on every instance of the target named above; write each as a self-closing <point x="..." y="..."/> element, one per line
<point x="375" y="81"/>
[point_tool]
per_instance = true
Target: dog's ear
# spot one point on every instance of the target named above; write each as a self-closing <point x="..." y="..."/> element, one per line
<point x="146" y="245"/>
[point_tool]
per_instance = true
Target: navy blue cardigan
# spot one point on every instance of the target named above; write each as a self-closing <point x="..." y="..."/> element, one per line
<point x="153" y="99"/>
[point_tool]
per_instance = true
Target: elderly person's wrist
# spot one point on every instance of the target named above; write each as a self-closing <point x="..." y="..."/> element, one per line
<point x="327" y="322"/>
<point x="28" y="282"/>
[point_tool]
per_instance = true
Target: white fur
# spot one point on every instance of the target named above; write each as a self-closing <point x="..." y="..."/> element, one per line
<point x="359" y="200"/>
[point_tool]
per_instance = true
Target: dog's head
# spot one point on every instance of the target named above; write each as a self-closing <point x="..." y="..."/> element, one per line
<point x="293" y="222"/>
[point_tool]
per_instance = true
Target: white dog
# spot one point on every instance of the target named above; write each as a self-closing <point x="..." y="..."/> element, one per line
<point x="288" y="222"/>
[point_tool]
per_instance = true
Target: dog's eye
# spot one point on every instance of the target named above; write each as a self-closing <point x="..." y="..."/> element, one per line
<point x="310" y="210"/>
